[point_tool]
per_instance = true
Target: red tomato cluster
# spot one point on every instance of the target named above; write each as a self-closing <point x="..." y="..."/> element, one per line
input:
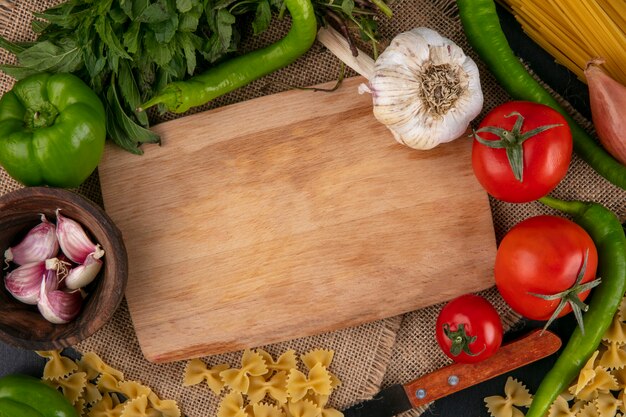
<point x="545" y="265"/>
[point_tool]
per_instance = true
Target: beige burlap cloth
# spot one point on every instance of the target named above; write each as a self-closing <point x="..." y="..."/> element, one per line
<point x="369" y="356"/>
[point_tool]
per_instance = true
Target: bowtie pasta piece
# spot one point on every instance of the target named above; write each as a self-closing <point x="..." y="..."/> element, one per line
<point x="560" y="408"/>
<point x="133" y="389"/>
<point x="303" y="409"/>
<point x="616" y="331"/>
<point x="167" y="408"/>
<point x="72" y="385"/>
<point x="196" y="371"/>
<point x="276" y="388"/>
<point x="323" y="356"/>
<point x="57" y="366"/>
<point x="586" y="374"/>
<point x="602" y="381"/>
<point x="607" y="404"/>
<point x="252" y="364"/>
<point x="93" y="366"/>
<point x="266" y="410"/>
<point x="285" y="362"/>
<point x="232" y="406"/>
<point x="614" y="357"/>
<point x="318" y="381"/>
<point x="516" y="394"/>
<point x="106" y="408"/>
<point x="313" y="357"/>
<point x="98" y="390"/>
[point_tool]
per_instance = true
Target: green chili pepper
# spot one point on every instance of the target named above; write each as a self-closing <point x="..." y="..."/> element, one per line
<point x="483" y="30"/>
<point x="31" y="395"/>
<point x="608" y="236"/>
<point x="52" y="130"/>
<point x="182" y="95"/>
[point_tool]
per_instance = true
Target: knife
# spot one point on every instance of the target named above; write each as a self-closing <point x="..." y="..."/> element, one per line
<point x="399" y="398"/>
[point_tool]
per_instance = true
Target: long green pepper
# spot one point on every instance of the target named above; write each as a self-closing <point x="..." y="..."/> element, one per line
<point x="483" y="30"/>
<point x="608" y="235"/>
<point x="237" y="72"/>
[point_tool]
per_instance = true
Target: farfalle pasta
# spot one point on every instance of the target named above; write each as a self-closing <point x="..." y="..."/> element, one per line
<point x="614" y="357"/>
<point x="600" y="388"/>
<point x="99" y="390"/>
<point x="93" y="366"/>
<point x="72" y="386"/>
<point x="616" y="331"/>
<point x="57" y="366"/>
<point x="252" y="364"/>
<point x="516" y="394"/>
<point x="197" y="371"/>
<point x="266" y="410"/>
<point x="232" y="406"/>
<point x="303" y="408"/>
<point x="323" y="357"/>
<point x="285" y="362"/>
<point x="561" y="408"/>
<point x="318" y="381"/>
<point x="275" y="387"/>
<point x="264" y="387"/>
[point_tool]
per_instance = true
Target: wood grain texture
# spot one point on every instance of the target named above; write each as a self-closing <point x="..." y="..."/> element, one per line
<point x="536" y="345"/>
<point x="290" y="215"/>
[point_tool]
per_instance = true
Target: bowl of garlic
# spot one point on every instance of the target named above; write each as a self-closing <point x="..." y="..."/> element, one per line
<point x="64" y="268"/>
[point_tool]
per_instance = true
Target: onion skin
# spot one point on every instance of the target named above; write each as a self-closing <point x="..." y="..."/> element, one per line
<point x="608" y="110"/>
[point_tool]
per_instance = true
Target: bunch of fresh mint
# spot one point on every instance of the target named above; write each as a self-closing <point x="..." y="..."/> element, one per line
<point x="127" y="50"/>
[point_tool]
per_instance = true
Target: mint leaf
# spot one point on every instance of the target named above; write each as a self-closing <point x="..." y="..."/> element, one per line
<point x="184" y="6"/>
<point x="165" y="31"/>
<point x="131" y="37"/>
<point x="17" y="72"/>
<point x="129" y="91"/>
<point x="154" y="13"/>
<point x="65" y="56"/>
<point x="347" y="6"/>
<point x="262" y="17"/>
<point x="224" y="23"/>
<point x="109" y="37"/>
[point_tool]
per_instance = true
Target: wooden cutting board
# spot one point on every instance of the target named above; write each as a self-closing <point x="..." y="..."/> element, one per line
<point x="290" y="215"/>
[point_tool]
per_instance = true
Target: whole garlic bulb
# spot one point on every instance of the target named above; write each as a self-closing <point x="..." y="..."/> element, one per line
<point x="425" y="89"/>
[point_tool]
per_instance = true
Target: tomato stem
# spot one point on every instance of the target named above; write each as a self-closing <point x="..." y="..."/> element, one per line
<point x="460" y="340"/>
<point x="570" y="296"/>
<point x="511" y="141"/>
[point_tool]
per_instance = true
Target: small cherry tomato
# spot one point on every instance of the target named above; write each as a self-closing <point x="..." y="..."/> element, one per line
<point x="521" y="151"/>
<point x="545" y="265"/>
<point x="469" y="329"/>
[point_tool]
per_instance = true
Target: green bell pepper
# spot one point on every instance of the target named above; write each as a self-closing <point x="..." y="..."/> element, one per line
<point x="27" y="396"/>
<point x="52" y="130"/>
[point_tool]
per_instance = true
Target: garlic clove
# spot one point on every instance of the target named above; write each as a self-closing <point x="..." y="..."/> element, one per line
<point x="39" y="244"/>
<point x="24" y="282"/>
<point x="607" y="98"/>
<point x="84" y="274"/>
<point x="57" y="306"/>
<point x="74" y="242"/>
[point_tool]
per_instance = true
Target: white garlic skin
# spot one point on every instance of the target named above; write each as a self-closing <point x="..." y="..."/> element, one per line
<point x="397" y="86"/>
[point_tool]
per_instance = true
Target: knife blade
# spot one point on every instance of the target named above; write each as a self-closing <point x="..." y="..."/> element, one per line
<point x="452" y="378"/>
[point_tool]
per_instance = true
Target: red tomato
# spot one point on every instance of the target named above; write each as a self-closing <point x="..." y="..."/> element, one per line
<point x="543" y="255"/>
<point x="469" y="329"/>
<point x="546" y="155"/>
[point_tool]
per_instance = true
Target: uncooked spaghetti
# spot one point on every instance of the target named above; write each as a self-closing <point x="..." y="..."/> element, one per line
<point x="575" y="32"/>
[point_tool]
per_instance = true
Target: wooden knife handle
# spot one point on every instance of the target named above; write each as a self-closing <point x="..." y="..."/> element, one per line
<point x="458" y="376"/>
